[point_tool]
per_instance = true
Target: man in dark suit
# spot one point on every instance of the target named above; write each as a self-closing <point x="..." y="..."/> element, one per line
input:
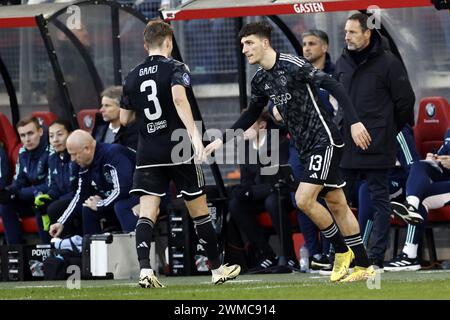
<point x="378" y="85"/>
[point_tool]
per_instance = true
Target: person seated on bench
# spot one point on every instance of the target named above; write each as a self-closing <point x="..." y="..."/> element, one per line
<point x="62" y="180"/>
<point x="253" y="196"/>
<point x="104" y="181"/>
<point x="427" y="188"/>
<point x="17" y="199"/>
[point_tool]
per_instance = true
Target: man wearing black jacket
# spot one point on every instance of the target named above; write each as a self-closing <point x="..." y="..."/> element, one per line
<point x="378" y="85"/>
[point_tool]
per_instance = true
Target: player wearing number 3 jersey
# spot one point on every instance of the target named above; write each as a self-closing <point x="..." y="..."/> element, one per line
<point x="154" y="94"/>
<point x="147" y="91"/>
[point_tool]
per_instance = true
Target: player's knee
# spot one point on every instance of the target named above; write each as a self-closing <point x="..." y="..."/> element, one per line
<point x="337" y="207"/>
<point x="304" y="203"/>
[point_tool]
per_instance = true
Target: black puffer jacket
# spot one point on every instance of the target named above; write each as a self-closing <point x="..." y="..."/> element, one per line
<point x="384" y="101"/>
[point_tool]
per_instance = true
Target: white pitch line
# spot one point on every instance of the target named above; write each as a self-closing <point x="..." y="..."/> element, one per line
<point x="26" y="287"/>
<point x="434" y="271"/>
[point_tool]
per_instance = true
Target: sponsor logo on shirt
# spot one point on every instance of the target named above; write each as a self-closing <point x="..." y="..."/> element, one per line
<point x="155" y="126"/>
<point x="281" y="98"/>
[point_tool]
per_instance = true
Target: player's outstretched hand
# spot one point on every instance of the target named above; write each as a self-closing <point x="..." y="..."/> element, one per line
<point x="360" y="135"/>
<point x="210" y="148"/>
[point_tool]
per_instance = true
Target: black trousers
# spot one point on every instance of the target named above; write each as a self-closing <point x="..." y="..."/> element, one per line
<point x="73" y="226"/>
<point x="378" y="184"/>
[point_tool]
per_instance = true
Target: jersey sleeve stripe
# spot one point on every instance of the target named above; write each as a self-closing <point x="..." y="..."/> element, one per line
<point x="72" y="203"/>
<point x="116" y="188"/>
<point x="320" y="115"/>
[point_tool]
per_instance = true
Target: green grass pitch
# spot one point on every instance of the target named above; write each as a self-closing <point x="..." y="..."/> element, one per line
<point x="295" y="286"/>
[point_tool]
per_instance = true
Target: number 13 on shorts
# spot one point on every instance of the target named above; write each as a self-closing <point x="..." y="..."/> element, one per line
<point x="316" y="163"/>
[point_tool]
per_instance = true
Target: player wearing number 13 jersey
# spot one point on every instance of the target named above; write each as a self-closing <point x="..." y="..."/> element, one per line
<point x="291" y="83"/>
<point x="154" y="94"/>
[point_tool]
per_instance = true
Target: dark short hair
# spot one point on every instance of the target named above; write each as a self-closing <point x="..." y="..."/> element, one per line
<point x="113" y="92"/>
<point x="25" y="121"/>
<point x="260" y="29"/>
<point x="362" y="18"/>
<point x="155" y="32"/>
<point x="66" y="124"/>
<point x="316" y="33"/>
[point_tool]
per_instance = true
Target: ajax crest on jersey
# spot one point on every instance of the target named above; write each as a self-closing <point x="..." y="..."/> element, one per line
<point x="186" y="79"/>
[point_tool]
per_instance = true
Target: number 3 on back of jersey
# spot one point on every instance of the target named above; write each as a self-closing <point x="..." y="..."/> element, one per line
<point x="152" y="97"/>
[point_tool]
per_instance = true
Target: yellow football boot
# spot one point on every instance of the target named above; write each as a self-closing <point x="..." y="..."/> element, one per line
<point x="360" y="274"/>
<point x="341" y="264"/>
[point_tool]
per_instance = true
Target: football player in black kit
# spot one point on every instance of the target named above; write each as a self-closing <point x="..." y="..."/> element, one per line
<point x="291" y="83"/>
<point x="154" y="94"/>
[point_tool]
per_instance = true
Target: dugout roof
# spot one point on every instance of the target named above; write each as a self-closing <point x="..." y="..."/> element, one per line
<point x="59" y="56"/>
<point x="207" y="9"/>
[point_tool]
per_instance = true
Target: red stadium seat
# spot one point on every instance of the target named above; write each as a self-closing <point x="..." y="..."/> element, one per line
<point x="45" y="117"/>
<point x="264" y="220"/>
<point x="14" y="156"/>
<point x="86" y="119"/>
<point x="439" y="215"/>
<point x="29" y="225"/>
<point x="8" y="136"/>
<point x="432" y="124"/>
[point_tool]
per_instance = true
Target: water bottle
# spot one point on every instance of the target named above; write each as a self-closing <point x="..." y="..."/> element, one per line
<point x="304" y="259"/>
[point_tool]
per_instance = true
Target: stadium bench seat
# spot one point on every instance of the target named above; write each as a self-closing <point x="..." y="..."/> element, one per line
<point x="29" y="225"/>
<point x="8" y="136"/>
<point x="14" y="156"/>
<point x="432" y="124"/>
<point x="45" y="117"/>
<point x="86" y="119"/>
<point x="264" y="220"/>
